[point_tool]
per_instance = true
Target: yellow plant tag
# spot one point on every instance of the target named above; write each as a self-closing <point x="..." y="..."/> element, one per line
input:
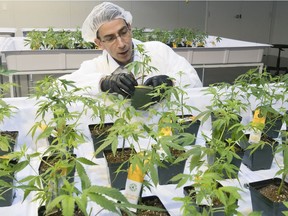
<point x="133" y="185"/>
<point x="255" y="136"/>
<point x="135" y="174"/>
<point x="257" y="119"/>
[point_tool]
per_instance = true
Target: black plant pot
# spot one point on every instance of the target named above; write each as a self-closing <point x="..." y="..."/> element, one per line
<point x="273" y="124"/>
<point x="190" y="126"/>
<point x="50" y="159"/>
<point x="12" y="138"/>
<point x="261" y="158"/>
<point x="99" y="135"/>
<point x="141" y="97"/>
<point x="262" y="203"/>
<point x="117" y="179"/>
<point x="9" y="195"/>
<point x="272" y="129"/>
<point x="169" y="171"/>
<point x="201" y="208"/>
<point x="151" y="201"/>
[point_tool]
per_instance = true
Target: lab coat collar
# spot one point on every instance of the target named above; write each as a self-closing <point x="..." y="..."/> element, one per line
<point x="113" y="65"/>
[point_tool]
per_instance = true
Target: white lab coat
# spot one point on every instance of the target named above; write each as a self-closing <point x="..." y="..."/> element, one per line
<point x="162" y="57"/>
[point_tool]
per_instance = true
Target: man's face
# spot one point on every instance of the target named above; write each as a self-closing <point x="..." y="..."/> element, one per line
<point x="116" y="38"/>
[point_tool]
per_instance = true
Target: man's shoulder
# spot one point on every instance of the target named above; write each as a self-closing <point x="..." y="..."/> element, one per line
<point x="97" y="59"/>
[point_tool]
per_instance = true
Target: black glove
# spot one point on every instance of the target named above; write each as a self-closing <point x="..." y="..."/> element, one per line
<point x="122" y="83"/>
<point x="158" y="80"/>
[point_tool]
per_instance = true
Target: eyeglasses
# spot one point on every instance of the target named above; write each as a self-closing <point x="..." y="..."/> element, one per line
<point x="123" y="33"/>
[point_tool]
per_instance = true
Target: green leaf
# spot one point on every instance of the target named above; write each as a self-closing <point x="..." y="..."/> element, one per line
<point x="68" y="206"/>
<point x="86" y="161"/>
<point x="103" y="202"/>
<point x="85" y="181"/>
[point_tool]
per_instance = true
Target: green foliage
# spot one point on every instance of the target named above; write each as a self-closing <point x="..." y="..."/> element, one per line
<point x="51" y="39"/>
<point x="141" y="68"/>
<point x="182" y="37"/>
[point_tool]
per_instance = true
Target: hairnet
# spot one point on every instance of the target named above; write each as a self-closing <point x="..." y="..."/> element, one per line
<point x="101" y="14"/>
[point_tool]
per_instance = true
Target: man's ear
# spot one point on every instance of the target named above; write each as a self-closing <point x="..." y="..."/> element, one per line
<point x="98" y="43"/>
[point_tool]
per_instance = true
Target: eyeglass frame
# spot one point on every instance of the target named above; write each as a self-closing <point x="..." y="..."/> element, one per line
<point x="115" y="36"/>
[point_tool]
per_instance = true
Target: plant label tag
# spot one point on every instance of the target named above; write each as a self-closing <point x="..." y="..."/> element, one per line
<point x="258" y="119"/>
<point x="255" y="137"/>
<point x="258" y="122"/>
<point x="133" y="185"/>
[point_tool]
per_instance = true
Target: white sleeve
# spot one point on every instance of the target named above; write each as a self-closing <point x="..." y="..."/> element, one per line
<point x="170" y="63"/>
<point x="88" y="75"/>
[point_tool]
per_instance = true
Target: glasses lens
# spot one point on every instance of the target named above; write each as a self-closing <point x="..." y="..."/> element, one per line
<point x="123" y="34"/>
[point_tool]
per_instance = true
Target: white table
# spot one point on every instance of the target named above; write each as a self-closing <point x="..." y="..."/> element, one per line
<point x="24" y="119"/>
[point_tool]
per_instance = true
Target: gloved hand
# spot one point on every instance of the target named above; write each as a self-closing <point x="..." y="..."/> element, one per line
<point x="158" y="80"/>
<point x="122" y="83"/>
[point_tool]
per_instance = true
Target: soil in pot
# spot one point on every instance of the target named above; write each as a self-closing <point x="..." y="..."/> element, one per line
<point x="120" y="159"/>
<point x="99" y="133"/>
<point x="265" y="198"/>
<point x="141" y="97"/>
<point x="151" y="201"/>
<point x="12" y="137"/>
<point x="58" y="212"/>
<point x="261" y="158"/>
<point x="169" y="170"/>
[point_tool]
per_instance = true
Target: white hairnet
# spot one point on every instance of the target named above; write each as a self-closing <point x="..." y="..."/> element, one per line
<point x="101" y="14"/>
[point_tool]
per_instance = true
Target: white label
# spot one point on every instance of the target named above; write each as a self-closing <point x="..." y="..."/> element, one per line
<point x="255" y="137"/>
<point x="132" y="191"/>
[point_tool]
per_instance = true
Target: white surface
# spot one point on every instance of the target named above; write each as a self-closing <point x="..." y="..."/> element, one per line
<point x="24" y="119"/>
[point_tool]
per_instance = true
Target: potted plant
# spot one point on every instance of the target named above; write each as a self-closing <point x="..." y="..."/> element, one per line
<point x="10" y="165"/>
<point x="265" y="90"/>
<point x="105" y="108"/>
<point x="227" y="130"/>
<point x="118" y="156"/>
<point x="53" y="181"/>
<point x="179" y="111"/>
<point x="271" y="195"/>
<point x="52" y="39"/>
<point x="7" y="138"/>
<point x="141" y="98"/>
<point x="206" y="195"/>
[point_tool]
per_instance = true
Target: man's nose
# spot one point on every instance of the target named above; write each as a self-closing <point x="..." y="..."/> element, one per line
<point x="119" y="40"/>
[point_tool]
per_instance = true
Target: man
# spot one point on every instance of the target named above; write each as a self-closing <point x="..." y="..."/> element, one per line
<point x="109" y="26"/>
